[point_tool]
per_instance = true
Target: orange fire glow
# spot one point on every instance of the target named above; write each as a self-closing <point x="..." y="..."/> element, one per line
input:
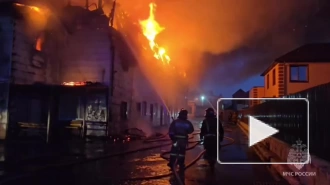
<point x="39" y="42"/>
<point x="34" y="8"/>
<point x="151" y="29"/>
<point x="74" y="83"/>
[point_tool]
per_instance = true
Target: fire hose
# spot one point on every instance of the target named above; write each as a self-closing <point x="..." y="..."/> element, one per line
<point x="148" y="140"/>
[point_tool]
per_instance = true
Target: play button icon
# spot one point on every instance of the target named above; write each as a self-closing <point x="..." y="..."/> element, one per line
<point x="259" y="131"/>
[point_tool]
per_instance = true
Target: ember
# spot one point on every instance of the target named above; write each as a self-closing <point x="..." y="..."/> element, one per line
<point x="39" y="42"/>
<point x="74" y="83"/>
<point x="151" y="29"/>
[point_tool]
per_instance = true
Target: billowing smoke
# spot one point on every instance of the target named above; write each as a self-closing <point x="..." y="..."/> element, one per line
<point x="144" y="125"/>
<point x="147" y="127"/>
<point x="224" y="41"/>
<point x="227" y="41"/>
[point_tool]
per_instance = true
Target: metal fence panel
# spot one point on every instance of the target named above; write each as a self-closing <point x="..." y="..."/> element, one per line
<point x="291" y="119"/>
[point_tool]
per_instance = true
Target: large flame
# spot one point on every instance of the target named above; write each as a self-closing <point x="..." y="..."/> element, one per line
<point x="151" y="29"/>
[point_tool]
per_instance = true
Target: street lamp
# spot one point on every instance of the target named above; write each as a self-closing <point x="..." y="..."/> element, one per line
<point x="202" y="98"/>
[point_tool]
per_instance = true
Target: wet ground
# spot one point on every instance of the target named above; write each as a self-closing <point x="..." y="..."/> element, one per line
<point x="149" y="163"/>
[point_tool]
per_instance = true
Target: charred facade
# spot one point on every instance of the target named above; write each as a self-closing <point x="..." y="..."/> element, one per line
<point x="29" y="52"/>
<point x="74" y="47"/>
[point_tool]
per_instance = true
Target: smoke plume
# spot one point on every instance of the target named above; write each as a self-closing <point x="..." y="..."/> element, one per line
<point x="227" y="41"/>
<point x="224" y="41"/>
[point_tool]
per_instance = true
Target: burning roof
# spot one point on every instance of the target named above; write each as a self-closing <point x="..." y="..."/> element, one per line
<point x="75" y="17"/>
<point x="151" y="29"/>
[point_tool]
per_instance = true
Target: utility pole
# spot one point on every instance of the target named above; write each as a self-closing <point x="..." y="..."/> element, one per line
<point x="99" y="4"/>
<point x="87" y="4"/>
<point x="112" y="48"/>
<point x="112" y="62"/>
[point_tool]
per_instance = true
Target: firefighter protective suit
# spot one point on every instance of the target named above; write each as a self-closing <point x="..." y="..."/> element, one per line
<point x="209" y="135"/>
<point x="178" y="132"/>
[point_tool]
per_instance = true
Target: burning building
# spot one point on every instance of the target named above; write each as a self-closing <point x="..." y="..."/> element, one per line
<point x="76" y="47"/>
<point x="29" y="52"/>
<point x="169" y="83"/>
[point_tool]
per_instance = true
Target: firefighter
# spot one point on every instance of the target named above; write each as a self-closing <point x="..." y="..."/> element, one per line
<point x="209" y="135"/>
<point x="235" y="118"/>
<point x="230" y="116"/>
<point x="178" y="132"/>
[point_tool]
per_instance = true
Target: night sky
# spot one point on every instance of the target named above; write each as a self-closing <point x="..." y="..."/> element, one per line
<point x="243" y="66"/>
<point x="245" y="85"/>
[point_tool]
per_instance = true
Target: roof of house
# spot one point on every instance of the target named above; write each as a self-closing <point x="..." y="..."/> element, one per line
<point x="315" y="52"/>
<point x="239" y="94"/>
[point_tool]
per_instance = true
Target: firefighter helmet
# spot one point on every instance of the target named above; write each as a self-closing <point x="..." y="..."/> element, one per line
<point x="209" y="112"/>
<point x="183" y="112"/>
